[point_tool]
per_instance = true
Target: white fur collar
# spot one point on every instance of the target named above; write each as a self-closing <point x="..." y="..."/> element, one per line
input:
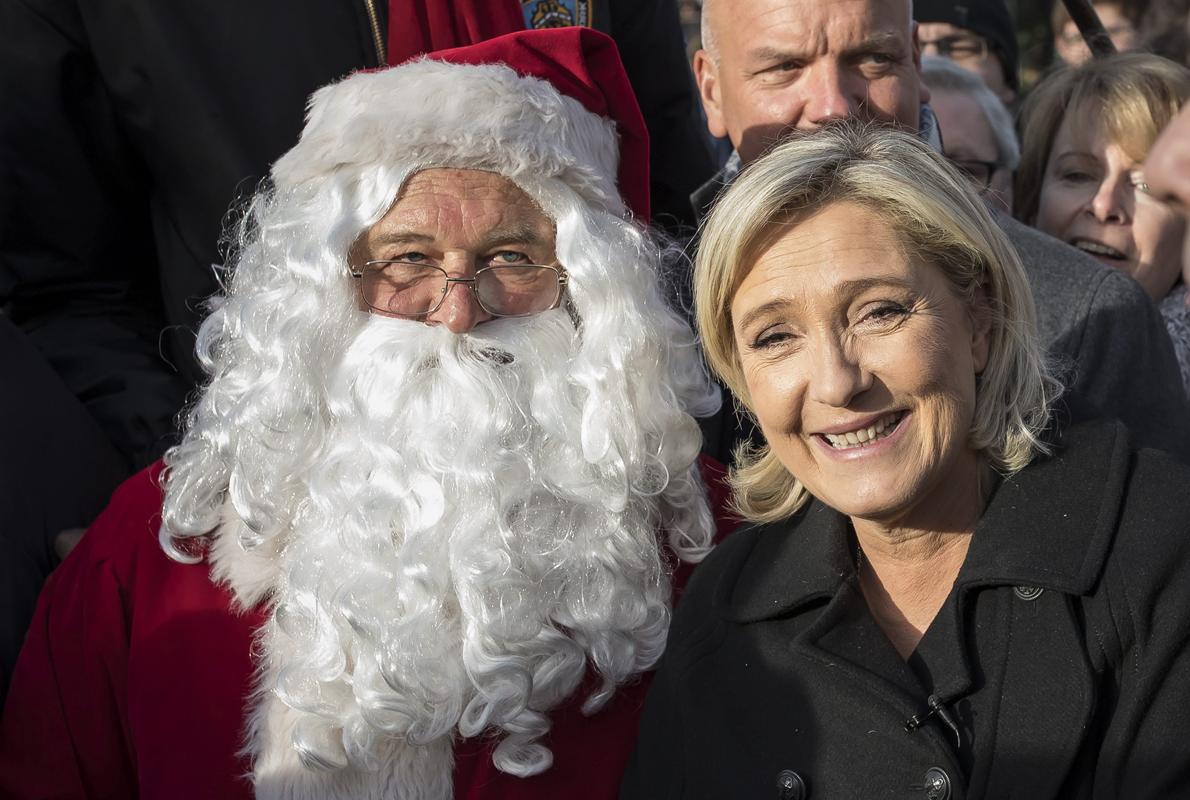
<point x="409" y="772"/>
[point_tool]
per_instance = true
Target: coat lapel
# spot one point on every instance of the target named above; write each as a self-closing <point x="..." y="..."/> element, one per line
<point x="1041" y="546"/>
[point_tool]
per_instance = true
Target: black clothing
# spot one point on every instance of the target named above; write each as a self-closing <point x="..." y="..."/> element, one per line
<point x="49" y="442"/>
<point x="128" y="130"/>
<point x="1058" y="667"/>
<point x="651" y="45"/>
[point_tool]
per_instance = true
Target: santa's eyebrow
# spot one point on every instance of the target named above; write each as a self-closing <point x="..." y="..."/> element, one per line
<point x="517" y="233"/>
<point x="514" y="234"/>
<point x="402" y="237"/>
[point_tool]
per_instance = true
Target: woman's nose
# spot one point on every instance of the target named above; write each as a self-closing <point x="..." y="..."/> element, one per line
<point x="1107" y="205"/>
<point x="838" y="376"/>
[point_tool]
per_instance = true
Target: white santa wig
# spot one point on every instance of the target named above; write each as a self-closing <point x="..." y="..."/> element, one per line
<point x="396" y="618"/>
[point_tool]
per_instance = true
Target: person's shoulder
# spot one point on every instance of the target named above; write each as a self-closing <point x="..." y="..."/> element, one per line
<point x="126" y="529"/>
<point x="1054" y="267"/>
<point x="1142" y="596"/>
<point x="1139" y="500"/>
<point x="1106" y="452"/>
<point x="708" y="594"/>
<point x="1078" y="299"/>
<point x="1157" y="500"/>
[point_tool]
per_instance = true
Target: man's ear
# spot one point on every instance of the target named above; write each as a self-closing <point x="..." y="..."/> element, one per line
<point x="706" y="74"/>
<point x="923" y="90"/>
<point x="980" y="310"/>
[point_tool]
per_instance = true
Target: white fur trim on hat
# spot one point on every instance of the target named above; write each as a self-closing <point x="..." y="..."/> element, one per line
<point x="430" y="113"/>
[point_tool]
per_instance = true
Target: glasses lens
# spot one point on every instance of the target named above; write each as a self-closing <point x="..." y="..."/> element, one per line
<point x="517" y="291"/>
<point x="979" y="173"/>
<point x="402" y="288"/>
<point x="960" y="47"/>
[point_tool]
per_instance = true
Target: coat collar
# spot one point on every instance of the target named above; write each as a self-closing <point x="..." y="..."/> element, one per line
<point x="1049" y="526"/>
<point x="702" y="198"/>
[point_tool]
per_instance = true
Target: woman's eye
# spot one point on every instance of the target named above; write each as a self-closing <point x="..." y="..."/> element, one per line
<point x="770" y="338"/>
<point x="884" y="313"/>
<point x="413" y="257"/>
<point x="1077" y="176"/>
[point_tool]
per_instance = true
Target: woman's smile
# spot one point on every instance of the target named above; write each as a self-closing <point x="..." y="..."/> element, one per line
<point x="868" y="439"/>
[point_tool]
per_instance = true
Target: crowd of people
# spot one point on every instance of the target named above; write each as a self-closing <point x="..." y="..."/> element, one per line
<point x="504" y="405"/>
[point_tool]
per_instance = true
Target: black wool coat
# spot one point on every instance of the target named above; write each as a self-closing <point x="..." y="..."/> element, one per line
<point x="1059" y="667"/>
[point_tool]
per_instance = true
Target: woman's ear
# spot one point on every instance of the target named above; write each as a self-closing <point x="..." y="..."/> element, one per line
<point x="980" y="311"/>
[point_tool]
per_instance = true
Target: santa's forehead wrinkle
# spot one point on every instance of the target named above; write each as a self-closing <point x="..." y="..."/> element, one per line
<point x="463" y="201"/>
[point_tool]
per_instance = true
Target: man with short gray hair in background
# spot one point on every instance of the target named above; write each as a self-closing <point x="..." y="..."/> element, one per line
<point x="771" y="66"/>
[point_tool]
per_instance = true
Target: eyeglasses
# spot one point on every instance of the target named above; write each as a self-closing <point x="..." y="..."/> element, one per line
<point x="979" y="173"/>
<point x="412" y="289"/>
<point x="958" y="47"/>
<point x="1075" y="36"/>
<point x="1136" y="179"/>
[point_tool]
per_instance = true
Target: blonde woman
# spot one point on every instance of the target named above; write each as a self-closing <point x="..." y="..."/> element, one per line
<point x="1085" y="133"/>
<point x="940" y="596"/>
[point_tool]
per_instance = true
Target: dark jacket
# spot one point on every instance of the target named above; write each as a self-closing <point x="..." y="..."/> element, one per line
<point x="128" y="129"/>
<point x="1104" y="333"/>
<point x="1060" y="661"/>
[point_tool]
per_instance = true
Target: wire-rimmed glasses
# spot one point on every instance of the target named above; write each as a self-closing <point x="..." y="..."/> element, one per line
<point x="957" y="47"/>
<point x="979" y="173"/>
<point x="414" y="289"/>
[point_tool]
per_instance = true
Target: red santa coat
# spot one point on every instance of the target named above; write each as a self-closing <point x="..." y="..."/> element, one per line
<point x="135" y="678"/>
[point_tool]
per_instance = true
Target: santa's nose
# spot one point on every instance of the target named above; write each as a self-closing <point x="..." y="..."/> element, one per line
<point x="460" y="310"/>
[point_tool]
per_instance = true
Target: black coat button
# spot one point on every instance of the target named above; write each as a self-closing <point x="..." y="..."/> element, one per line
<point x="1027" y="592"/>
<point x="790" y="785"/>
<point x="937" y="784"/>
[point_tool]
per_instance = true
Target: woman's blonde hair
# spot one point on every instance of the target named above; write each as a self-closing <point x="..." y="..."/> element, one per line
<point x="1132" y="95"/>
<point x="938" y="219"/>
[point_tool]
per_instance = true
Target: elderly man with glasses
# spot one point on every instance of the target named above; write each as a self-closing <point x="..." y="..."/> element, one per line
<point x="975" y="127"/>
<point x="424" y="520"/>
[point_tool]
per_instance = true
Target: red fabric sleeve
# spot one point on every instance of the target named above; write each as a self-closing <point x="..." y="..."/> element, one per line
<point x="64" y="734"/>
<point x="134" y="679"/>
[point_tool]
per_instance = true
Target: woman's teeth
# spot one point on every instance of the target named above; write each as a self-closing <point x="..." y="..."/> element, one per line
<point x="882" y="428"/>
<point x="1097" y="249"/>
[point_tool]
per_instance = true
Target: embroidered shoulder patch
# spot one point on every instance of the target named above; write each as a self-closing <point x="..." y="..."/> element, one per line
<point x="556" y="13"/>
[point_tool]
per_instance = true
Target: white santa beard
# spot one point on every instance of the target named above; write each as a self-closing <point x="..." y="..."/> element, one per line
<point x="457" y="558"/>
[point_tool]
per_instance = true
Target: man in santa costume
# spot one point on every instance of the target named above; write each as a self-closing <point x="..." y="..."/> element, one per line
<point x="419" y="538"/>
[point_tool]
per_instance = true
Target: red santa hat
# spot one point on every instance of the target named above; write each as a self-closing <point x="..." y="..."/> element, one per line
<point x="543" y="103"/>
